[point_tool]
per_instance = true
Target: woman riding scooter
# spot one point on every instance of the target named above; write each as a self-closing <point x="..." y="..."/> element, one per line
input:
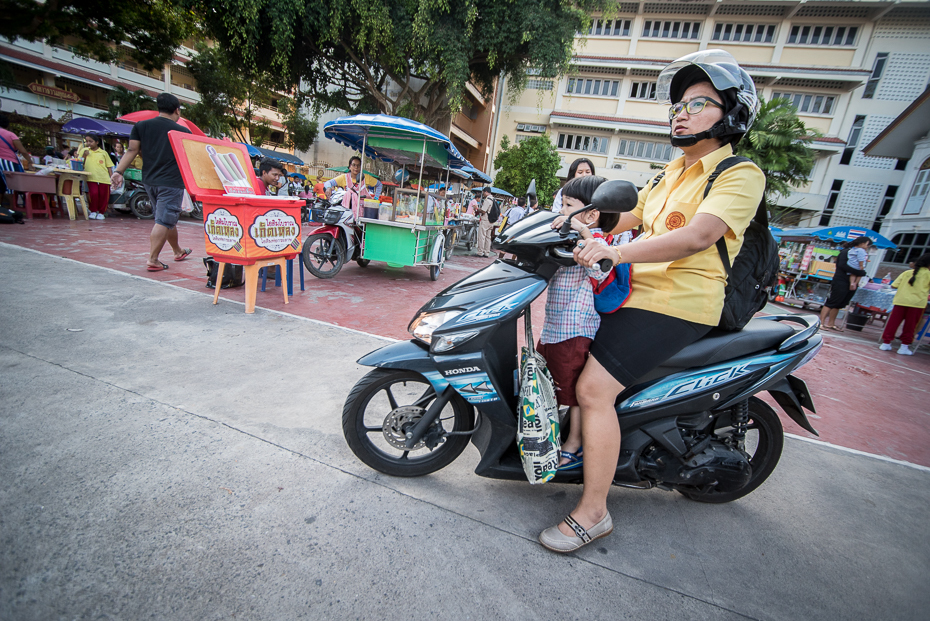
<point x="678" y="278"/>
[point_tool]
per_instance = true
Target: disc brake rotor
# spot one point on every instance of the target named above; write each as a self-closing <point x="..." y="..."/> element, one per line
<point x="398" y="422"/>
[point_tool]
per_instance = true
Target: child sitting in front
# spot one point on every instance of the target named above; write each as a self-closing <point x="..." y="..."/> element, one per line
<point x="571" y="321"/>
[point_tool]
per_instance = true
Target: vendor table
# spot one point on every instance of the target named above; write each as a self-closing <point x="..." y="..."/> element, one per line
<point x="37" y="191"/>
<point x="878" y="300"/>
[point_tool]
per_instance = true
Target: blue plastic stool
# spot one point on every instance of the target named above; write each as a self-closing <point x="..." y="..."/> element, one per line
<point x="920" y="334"/>
<point x="290" y="276"/>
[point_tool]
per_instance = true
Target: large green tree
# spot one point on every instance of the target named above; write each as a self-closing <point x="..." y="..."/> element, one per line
<point x="410" y="55"/>
<point x="518" y="164"/>
<point x="779" y="143"/>
<point x="155" y="28"/>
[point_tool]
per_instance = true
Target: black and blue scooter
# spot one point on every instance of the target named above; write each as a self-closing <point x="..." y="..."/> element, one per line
<point x="693" y="425"/>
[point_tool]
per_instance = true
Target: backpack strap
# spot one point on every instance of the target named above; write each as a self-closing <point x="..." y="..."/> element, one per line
<point x="655" y="181"/>
<point x="761" y="214"/>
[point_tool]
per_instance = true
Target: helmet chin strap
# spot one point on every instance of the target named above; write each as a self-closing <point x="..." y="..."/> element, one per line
<point x="721" y="128"/>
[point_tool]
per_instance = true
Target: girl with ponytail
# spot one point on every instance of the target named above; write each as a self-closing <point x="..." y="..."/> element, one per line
<point x="909" y="303"/>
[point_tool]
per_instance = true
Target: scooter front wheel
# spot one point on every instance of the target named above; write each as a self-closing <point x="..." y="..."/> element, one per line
<point x="323" y="255"/>
<point x="386" y="404"/>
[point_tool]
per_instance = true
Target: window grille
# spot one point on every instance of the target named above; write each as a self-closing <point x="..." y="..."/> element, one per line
<point x="823" y="35"/>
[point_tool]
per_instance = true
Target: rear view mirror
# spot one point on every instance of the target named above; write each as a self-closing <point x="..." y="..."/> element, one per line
<point x="531" y="191"/>
<point x="615" y="197"/>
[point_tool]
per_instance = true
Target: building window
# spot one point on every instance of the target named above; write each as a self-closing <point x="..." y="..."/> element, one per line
<point x="831" y="202"/>
<point x="911" y="246"/>
<point x="822" y="35"/>
<point x="854" y="135"/>
<point x="539" y="85"/>
<point x="588" y="144"/>
<point x="593" y="87"/>
<point x="808" y="103"/>
<point x="881" y="59"/>
<point x="746" y="33"/>
<point x="610" y="28"/>
<point x="521" y="137"/>
<point x="644" y="150"/>
<point x="885" y="208"/>
<point x="671" y="30"/>
<point x="643" y="90"/>
<point x="918" y="196"/>
<point x="526" y="127"/>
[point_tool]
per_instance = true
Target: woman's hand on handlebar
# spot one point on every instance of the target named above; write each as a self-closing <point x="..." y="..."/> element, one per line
<point x="590" y="253"/>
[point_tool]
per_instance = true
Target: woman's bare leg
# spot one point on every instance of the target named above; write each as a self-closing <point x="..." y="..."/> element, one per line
<point x="600" y="430"/>
<point x="573" y="441"/>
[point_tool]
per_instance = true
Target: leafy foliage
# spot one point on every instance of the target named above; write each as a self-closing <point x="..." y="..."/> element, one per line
<point x="300" y="131"/>
<point x="33" y="139"/>
<point x="778" y="142"/>
<point x="518" y="164"/>
<point x="123" y="101"/>
<point x="155" y="28"/>
<point x="399" y="55"/>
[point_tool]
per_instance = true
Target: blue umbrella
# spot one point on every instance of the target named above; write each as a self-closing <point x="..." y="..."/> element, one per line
<point x="500" y="191"/>
<point x="298" y="176"/>
<point x="835" y="234"/>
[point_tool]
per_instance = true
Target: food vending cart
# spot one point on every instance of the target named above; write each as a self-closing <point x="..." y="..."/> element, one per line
<point x="241" y="226"/>
<point x="808" y="260"/>
<point x="408" y="231"/>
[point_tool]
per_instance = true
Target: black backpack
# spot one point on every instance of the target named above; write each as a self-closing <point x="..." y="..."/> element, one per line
<point x="495" y="212"/>
<point x="755" y="268"/>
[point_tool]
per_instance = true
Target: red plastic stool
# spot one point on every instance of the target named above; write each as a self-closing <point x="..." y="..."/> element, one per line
<point x="29" y="199"/>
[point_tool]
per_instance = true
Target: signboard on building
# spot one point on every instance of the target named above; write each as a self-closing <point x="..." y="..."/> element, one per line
<point x="54" y="92"/>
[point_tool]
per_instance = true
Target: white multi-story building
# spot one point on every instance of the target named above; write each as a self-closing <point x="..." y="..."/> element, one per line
<point x="849" y="68"/>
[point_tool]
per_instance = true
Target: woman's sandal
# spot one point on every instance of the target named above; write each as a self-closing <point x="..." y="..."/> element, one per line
<point x="574" y="460"/>
<point x="553" y="539"/>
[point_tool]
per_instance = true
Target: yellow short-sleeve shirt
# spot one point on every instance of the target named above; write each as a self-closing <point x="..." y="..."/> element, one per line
<point x="692" y="288"/>
<point x="97" y="164"/>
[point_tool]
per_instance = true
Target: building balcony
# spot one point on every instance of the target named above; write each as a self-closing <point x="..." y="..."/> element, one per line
<point x="614" y="123"/>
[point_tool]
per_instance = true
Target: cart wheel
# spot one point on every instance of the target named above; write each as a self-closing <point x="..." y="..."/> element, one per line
<point x="363" y="262"/>
<point x="434" y="271"/>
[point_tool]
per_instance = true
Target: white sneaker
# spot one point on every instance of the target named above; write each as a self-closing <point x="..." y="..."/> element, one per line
<point x="904" y="350"/>
<point x="92" y="215"/>
<point x="885" y="347"/>
<point x="100" y="216"/>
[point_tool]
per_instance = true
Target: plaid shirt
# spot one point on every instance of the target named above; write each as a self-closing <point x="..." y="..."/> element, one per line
<point x="570" y="305"/>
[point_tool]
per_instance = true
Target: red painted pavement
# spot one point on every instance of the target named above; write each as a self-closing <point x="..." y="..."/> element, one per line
<point x="866" y="399"/>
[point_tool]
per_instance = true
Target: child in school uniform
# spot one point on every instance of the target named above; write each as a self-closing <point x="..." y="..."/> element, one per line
<point x="571" y="320"/>
<point x="909" y="303"/>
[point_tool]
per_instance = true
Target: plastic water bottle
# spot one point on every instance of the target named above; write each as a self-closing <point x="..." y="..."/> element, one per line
<point x="887" y="279"/>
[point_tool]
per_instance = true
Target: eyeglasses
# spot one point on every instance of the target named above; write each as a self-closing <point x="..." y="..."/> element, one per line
<point x="695" y="106"/>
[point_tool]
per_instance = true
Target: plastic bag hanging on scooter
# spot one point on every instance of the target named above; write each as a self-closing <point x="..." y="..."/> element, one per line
<point x="537" y="414"/>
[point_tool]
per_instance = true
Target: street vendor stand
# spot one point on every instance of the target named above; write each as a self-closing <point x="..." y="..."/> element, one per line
<point x="808" y="261"/>
<point x="409" y="230"/>
<point x="241" y="225"/>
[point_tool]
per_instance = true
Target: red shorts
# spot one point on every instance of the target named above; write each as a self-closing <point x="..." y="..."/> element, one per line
<point x="565" y="361"/>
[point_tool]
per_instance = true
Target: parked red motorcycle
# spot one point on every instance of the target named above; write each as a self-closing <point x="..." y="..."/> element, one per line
<point x="335" y="240"/>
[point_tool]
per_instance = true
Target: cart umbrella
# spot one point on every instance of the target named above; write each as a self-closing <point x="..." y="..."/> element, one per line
<point x="394" y="139"/>
<point x="837" y="234"/>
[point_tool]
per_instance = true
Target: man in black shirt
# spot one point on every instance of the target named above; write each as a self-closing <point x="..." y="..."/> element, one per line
<point x="160" y="176"/>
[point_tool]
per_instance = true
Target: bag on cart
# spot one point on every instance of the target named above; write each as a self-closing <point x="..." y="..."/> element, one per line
<point x="232" y="274"/>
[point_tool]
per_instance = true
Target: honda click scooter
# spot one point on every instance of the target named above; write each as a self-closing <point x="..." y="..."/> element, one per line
<point x="694" y="425"/>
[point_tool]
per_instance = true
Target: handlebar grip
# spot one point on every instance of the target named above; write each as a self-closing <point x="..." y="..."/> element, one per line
<point x="605" y="265"/>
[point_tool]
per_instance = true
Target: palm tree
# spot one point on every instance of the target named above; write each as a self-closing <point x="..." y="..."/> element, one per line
<point x="779" y="143"/>
<point x="123" y="101"/>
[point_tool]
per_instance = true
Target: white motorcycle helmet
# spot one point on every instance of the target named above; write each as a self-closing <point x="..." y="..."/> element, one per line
<point x="727" y="77"/>
<point x="336" y="198"/>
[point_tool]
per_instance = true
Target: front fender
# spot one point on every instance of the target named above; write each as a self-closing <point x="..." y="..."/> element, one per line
<point x="404" y="355"/>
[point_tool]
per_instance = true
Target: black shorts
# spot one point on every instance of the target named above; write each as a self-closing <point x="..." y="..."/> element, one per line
<point x="840" y="293"/>
<point x="631" y="342"/>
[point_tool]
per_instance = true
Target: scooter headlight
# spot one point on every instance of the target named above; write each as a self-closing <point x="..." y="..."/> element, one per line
<point x="424" y="325"/>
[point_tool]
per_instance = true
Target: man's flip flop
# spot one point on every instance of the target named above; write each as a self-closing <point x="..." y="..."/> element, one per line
<point x="183" y="255"/>
<point x="157" y="268"/>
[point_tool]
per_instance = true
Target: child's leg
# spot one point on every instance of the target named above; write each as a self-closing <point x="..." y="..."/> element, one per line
<point x="573" y="441"/>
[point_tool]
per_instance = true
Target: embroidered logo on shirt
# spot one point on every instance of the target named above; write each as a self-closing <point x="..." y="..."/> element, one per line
<point x="675" y="220"/>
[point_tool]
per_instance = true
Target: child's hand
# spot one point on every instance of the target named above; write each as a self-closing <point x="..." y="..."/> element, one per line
<point x="558" y="222"/>
<point x="578" y="225"/>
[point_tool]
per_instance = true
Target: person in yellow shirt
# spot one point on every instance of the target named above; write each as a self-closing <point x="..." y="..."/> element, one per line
<point x="98" y="163"/>
<point x="678" y="278"/>
<point x="909" y="303"/>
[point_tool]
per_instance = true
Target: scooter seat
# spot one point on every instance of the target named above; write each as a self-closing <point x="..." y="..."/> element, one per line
<point x="720" y="345"/>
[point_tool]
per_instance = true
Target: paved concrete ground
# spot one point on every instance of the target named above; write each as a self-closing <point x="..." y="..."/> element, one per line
<point x="165" y="458"/>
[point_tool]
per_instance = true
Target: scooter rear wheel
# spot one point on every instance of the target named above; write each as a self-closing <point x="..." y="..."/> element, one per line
<point x="141" y="206"/>
<point x="387" y="403"/>
<point x="765" y="439"/>
<point x="323" y="255"/>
